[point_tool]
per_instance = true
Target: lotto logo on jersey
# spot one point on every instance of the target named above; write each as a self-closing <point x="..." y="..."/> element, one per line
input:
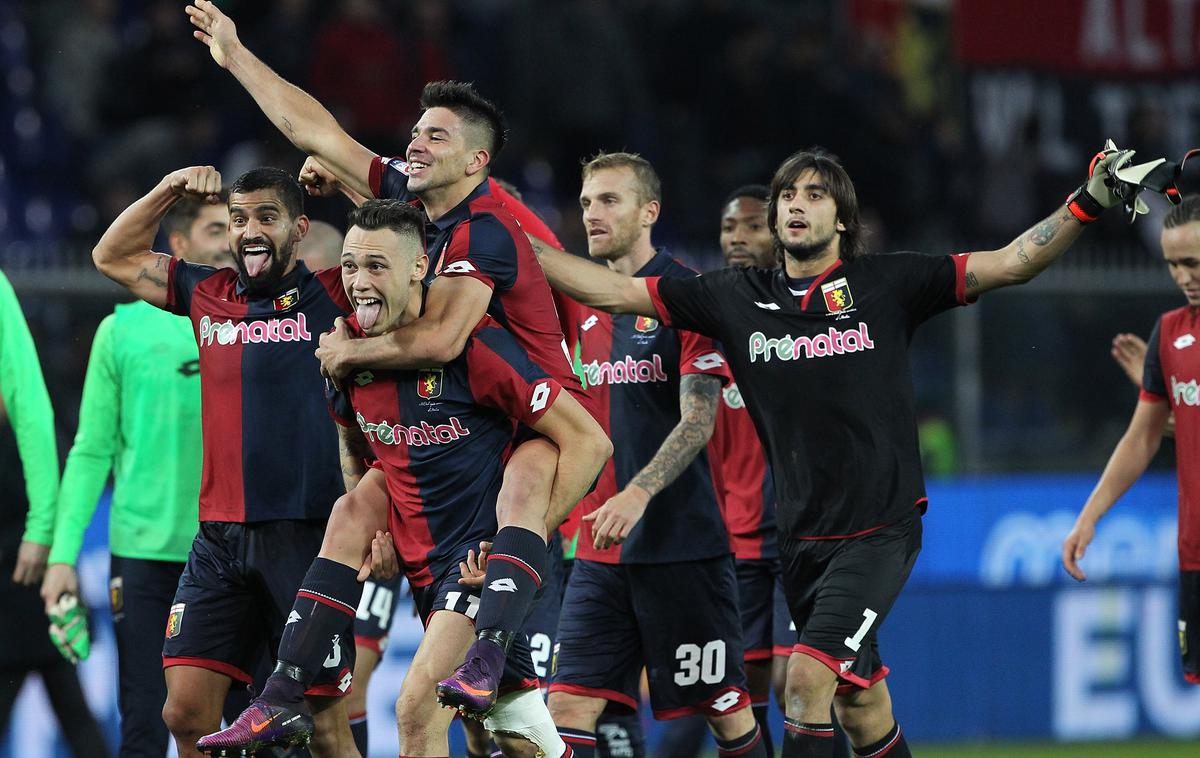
<point x="386" y="433"/>
<point x="628" y="371"/>
<point x="459" y="267"/>
<point x="837" y="295"/>
<point x="787" y="348"/>
<point x="1185" y="393"/>
<point x="266" y="330"/>
<point x="645" y="324"/>
<point x="429" y="383"/>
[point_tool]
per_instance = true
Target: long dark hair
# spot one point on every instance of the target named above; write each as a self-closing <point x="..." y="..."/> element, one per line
<point x="853" y="241"/>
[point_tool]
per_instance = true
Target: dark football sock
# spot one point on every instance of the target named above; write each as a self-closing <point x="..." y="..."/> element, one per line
<point x="802" y="740"/>
<point x="749" y="745"/>
<point x="762" y="714"/>
<point x="841" y="743"/>
<point x="323" y="611"/>
<point x="619" y="735"/>
<point x="683" y="738"/>
<point x="358" y="728"/>
<point x="892" y="745"/>
<point x="514" y="573"/>
<point x="581" y="743"/>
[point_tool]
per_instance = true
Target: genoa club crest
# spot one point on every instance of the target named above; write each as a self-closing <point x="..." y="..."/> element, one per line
<point x="429" y="383"/>
<point x="645" y="324"/>
<point x="837" y="295"/>
<point x="175" y="620"/>
<point x="287" y="299"/>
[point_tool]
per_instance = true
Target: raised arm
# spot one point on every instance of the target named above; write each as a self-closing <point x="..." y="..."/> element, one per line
<point x="699" y="395"/>
<point x="1038" y="247"/>
<point x="293" y="111"/>
<point x="1128" y="462"/>
<point x="592" y="284"/>
<point x="123" y="254"/>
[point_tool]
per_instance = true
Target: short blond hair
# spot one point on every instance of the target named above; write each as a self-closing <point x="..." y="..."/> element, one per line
<point x="648" y="185"/>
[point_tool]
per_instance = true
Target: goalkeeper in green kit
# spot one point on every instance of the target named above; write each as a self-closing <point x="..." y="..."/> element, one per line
<point x="139" y="418"/>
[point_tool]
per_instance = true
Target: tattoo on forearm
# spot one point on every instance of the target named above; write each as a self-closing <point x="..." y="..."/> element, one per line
<point x="287" y="126"/>
<point x="699" y="395"/>
<point x="972" y="280"/>
<point x="352" y="449"/>
<point x="1022" y="256"/>
<point x="1041" y="234"/>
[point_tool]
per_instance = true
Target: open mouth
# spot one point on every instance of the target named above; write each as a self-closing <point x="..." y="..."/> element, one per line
<point x="797" y="224"/>
<point x="366" y="309"/>
<point x="256" y="256"/>
<point x="416" y="167"/>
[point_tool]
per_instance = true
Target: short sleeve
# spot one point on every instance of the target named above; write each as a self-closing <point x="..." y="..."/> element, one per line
<point x="689" y="303"/>
<point x="1154" y="385"/>
<point x="341" y="407"/>
<point x="482" y="248"/>
<point x="502" y="376"/>
<point x="926" y="284"/>
<point x="388" y="178"/>
<point x="700" y="355"/>
<point x="182" y="279"/>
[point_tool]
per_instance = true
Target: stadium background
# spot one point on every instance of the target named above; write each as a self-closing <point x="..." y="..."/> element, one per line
<point x="961" y="122"/>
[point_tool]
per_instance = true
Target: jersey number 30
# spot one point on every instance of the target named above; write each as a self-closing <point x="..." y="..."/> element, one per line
<point x="700" y="664"/>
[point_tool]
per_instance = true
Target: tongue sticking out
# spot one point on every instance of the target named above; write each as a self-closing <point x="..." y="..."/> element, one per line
<point x="255" y="263"/>
<point x="368" y="314"/>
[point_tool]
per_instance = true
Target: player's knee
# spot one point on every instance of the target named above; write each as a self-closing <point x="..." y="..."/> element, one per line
<point x="185" y="720"/>
<point x="865" y="714"/>
<point x="416" y="713"/>
<point x="574" y="711"/>
<point x="730" y="726"/>
<point x="808" y="682"/>
<point x="516" y="747"/>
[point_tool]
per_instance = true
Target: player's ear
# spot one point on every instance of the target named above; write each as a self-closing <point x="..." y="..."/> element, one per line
<point x="178" y="242"/>
<point x="650" y="213"/>
<point x="479" y="161"/>
<point x="302" y="224"/>
<point x="420" y="267"/>
<point x="840" y="226"/>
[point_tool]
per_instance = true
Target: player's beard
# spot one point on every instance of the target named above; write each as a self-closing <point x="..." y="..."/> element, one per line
<point x="803" y="252"/>
<point x="267" y="280"/>
<point x="621" y="238"/>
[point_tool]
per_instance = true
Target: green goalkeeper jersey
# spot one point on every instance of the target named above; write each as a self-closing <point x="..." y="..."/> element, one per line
<point x="139" y="418"/>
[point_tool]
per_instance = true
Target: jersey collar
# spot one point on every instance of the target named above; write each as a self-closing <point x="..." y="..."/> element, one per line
<point x="657" y="265"/>
<point x="460" y="212"/>
<point x="784" y="293"/>
<point x="289" y="281"/>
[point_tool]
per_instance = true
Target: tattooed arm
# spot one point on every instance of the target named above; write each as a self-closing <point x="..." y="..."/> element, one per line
<point x="698" y="398"/>
<point x="353" y="450"/>
<point x="1025" y="257"/>
<point x="123" y="254"/>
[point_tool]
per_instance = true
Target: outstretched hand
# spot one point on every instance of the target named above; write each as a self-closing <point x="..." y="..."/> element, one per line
<point x="474" y="568"/>
<point x="214" y="29"/>
<point x="200" y="182"/>
<point x="1129" y="351"/>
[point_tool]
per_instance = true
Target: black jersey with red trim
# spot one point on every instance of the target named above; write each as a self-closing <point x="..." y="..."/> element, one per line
<point x="825" y="378"/>
<point x="270" y="450"/>
<point x="632" y="365"/>
<point x="480" y="238"/>
<point x="1172" y="374"/>
<point x="742" y="480"/>
<point x="442" y="437"/>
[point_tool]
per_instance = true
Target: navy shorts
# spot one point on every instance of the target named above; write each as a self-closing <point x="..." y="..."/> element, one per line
<point x="679" y="620"/>
<point x="756" y="605"/>
<point x="840" y="591"/>
<point x="446" y="594"/>
<point x="234" y="597"/>
<point x="374" y="616"/>
<point x="541" y="627"/>
<point x="784" y="636"/>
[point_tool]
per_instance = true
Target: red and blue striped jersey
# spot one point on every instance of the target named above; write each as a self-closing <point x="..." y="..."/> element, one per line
<point x="742" y="480"/>
<point x="480" y="238"/>
<point x="633" y="366"/>
<point x="1172" y="373"/>
<point x="442" y="438"/>
<point x="270" y="451"/>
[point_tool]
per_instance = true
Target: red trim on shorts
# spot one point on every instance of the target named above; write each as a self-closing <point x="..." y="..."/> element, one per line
<point x="834" y="664"/>
<point x="762" y="700"/>
<point x="758" y="654"/>
<point x="582" y="691"/>
<point x="370" y="643"/>
<point x="520" y="564"/>
<point x="329" y="689"/>
<point x="706" y="709"/>
<point x="781" y="651"/>
<point x="337" y="605"/>
<point x="526" y="684"/>
<point x="221" y="667"/>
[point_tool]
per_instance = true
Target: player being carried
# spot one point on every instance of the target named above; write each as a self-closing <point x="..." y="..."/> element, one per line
<point x="481" y="262"/>
<point x="440" y="436"/>
<point x="819" y="351"/>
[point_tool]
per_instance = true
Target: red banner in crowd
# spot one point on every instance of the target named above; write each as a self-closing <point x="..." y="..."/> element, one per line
<point x="1111" y="38"/>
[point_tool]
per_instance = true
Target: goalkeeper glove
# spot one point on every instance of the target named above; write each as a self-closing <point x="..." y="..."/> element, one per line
<point x="68" y="628"/>
<point x="1103" y="190"/>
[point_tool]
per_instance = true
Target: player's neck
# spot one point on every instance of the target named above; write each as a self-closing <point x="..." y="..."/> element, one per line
<point x="637" y="257"/>
<point x="416" y="305"/>
<point x="804" y="269"/>
<point x="440" y="201"/>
